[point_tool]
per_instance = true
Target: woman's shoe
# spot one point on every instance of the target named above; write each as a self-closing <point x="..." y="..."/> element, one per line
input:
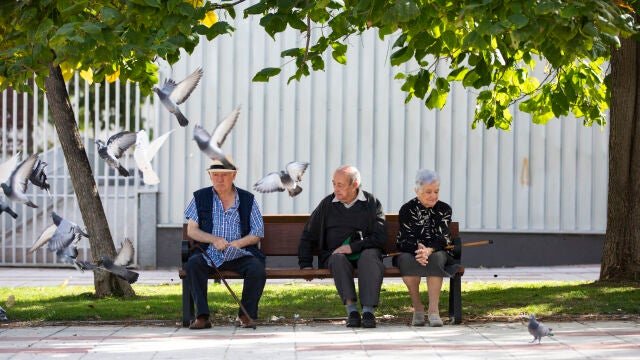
<point x="418" y="319"/>
<point x="434" y="320"/>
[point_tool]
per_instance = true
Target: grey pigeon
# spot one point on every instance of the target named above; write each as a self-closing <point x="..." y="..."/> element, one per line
<point x="3" y="315"/>
<point x="118" y="265"/>
<point x="115" y="147"/>
<point x="16" y="186"/>
<point x="171" y="95"/>
<point x="69" y="255"/>
<point x="282" y="180"/>
<point x="211" y="144"/>
<point x="59" y="235"/>
<point x="537" y="329"/>
<point x="38" y="177"/>
<point x="7" y="167"/>
<point x="144" y="153"/>
<point x="5" y="208"/>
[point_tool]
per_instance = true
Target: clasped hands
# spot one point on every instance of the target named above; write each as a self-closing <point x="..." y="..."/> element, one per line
<point x="423" y="253"/>
<point x="222" y="244"/>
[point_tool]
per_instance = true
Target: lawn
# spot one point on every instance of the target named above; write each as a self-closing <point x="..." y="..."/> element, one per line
<point x="496" y="301"/>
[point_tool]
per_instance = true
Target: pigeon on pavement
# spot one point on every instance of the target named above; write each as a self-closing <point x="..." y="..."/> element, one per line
<point x="537" y="329"/>
<point x="171" y="95"/>
<point x="38" y="177"/>
<point x="118" y="265"/>
<point x="16" y="186"/>
<point x="211" y="144"/>
<point x="115" y="147"/>
<point x="144" y="153"/>
<point x="282" y="180"/>
<point x="59" y="235"/>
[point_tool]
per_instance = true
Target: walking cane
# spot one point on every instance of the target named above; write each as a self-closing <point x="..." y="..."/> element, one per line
<point x="251" y="324"/>
<point x="449" y="247"/>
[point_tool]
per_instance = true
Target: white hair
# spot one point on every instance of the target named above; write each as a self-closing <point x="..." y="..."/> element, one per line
<point x="426" y="177"/>
<point x="352" y="172"/>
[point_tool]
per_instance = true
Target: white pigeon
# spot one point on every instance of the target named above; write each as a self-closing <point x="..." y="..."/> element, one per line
<point x="59" y="235"/>
<point x="144" y="153"/>
<point x="115" y="147"/>
<point x="16" y="186"/>
<point x="537" y="329"/>
<point x="7" y="167"/>
<point x="211" y="144"/>
<point x="282" y="180"/>
<point x="171" y="95"/>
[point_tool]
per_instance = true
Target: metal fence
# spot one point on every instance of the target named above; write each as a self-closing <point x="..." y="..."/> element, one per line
<point x="101" y="110"/>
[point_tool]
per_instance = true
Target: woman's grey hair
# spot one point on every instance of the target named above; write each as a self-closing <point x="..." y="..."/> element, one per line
<point x="426" y="177"/>
<point x="352" y="172"/>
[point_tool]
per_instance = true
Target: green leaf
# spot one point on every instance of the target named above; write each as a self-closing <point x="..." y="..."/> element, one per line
<point x="401" y="56"/>
<point x="273" y="24"/>
<point x="519" y="20"/>
<point x="436" y="100"/>
<point x="265" y="74"/>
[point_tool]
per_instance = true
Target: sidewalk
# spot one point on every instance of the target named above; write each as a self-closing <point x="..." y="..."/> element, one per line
<point x="571" y="340"/>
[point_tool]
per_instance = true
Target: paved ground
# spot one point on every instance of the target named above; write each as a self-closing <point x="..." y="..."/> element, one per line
<point x="571" y="340"/>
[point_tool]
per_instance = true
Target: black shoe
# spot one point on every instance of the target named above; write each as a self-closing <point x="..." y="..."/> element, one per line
<point x="354" y="319"/>
<point x="368" y="320"/>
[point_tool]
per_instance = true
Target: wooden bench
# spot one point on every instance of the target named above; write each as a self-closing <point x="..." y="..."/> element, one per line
<point x="281" y="238"/>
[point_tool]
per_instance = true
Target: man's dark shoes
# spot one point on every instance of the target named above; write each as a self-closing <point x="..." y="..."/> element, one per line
<point x="246" y="322"/>
<point x="200" y="323"/>
<point x="368" y="320"/>
<point x="354" y="319"/>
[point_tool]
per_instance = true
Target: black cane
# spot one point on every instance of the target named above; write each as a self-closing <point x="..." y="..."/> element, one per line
<point x="244" y="310"/>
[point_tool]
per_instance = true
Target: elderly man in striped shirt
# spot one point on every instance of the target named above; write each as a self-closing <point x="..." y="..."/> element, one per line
<point x="228" y="220"/>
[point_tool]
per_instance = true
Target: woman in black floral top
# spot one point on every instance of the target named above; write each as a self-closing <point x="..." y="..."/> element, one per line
<point x="422" y="238"/>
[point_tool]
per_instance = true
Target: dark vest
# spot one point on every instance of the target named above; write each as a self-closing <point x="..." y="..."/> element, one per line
<point x="204" y="206"/>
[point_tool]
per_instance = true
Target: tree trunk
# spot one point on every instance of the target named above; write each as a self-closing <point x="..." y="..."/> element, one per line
<point x="84" y="185"/>
<point x="621" y="254"/>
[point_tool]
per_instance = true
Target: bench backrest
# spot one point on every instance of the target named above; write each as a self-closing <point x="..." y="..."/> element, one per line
<point x="282" y="233"/>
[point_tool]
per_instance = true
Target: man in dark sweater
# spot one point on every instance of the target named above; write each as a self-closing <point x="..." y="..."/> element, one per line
<point x="349" y="230"/>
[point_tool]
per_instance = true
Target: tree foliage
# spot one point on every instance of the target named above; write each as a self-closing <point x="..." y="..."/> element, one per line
<point x="492" y="46"/>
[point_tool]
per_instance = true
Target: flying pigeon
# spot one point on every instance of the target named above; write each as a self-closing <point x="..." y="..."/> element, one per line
<point x="38" y="177"/>
<point x="16" y="186"/>
<point x="282" y="180"/>
<point x="69" y="254"/>
<point x="210" y="144"/>
<point x="8" y="166"/>
<point x="144" y="153"/>
<point x="112" y="151"/>
<point x="59" y="235"/>
<point x="171" y="95"/>
<point x="5" y="208"/>
<point x="118" y="265"/>
<point x="537" y="329"/>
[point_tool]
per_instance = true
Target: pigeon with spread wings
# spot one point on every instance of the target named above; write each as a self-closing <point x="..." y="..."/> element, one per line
<point x="144" y="153"/>
<point x="211" y="144"/>
<point x="118" y="265"/>
<point x="282" y="180"/>
<point x="16" y="186"/>
<point x="59" y="235"/>
<point x="171" y="94"/>
<point x="115" y="147"/>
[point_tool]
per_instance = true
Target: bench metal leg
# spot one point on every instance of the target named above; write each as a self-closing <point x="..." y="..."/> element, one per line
<point x="455" y="299"/>
<point x="188" y="309"/>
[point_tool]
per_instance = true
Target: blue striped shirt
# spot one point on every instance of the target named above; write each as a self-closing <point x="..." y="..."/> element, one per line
<point x="226" y="224"/>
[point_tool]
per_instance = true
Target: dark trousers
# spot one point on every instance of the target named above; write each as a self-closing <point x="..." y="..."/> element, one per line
<point x="370" y="273"/>
<point x="249" y="267"/>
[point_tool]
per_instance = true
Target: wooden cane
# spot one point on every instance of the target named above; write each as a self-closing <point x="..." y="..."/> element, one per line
<point x="449" y="247"/>
<point x="244" y="310"/>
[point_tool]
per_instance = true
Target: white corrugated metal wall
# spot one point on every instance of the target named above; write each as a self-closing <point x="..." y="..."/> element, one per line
<point x="534" y="178"/>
